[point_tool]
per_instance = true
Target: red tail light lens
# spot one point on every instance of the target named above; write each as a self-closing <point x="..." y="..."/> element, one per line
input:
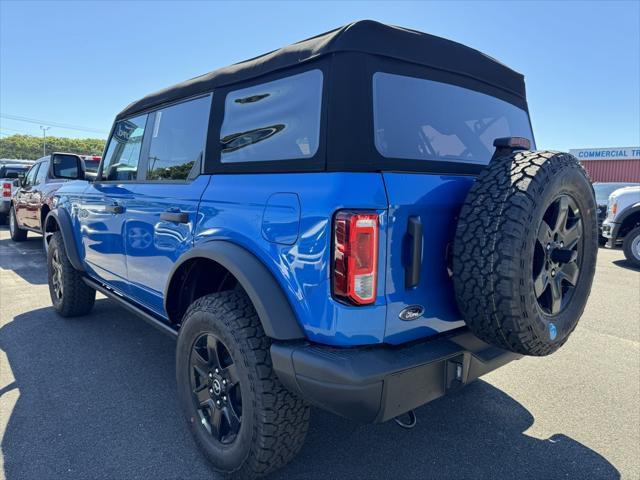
<point x="355" y="256"/>
<point x="6" y="189"/>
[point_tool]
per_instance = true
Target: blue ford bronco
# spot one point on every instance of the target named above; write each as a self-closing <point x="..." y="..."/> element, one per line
<point x="358" y="221"/>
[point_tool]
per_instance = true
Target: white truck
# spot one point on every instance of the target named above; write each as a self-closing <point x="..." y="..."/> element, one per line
<point x="622" y="225"/>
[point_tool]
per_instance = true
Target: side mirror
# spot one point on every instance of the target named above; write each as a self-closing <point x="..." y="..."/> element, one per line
<point x="68" y="166"/>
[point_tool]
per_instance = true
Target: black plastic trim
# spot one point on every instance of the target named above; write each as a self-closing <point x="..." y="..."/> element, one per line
<point x="412" y="269"/>
<point x="274" y="310"/>
<point x="627" y="212"/>
<point x="139" y="311"/>
<point x="375" y="384"/>
<point x="63" y="220"/>
<point x="619" y="221"/>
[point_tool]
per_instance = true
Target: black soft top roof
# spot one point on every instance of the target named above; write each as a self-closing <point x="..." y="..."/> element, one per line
<point x="365" y="36"/>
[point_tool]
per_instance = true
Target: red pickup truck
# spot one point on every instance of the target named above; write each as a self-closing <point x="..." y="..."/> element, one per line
<point x="31" y="202"/>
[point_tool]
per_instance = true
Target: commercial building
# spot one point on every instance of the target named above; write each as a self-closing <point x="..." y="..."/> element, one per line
<point x="616" y="164"/>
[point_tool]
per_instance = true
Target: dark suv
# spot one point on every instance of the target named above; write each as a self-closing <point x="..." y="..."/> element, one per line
<point x="356" y="221"/>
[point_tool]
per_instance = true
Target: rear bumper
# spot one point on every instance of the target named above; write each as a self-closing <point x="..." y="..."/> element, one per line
<point x="375" y="384"/>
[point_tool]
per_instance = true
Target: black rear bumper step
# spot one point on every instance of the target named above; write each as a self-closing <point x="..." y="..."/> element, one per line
<point x="140" y="311"/>
<point x="375" y="384"/>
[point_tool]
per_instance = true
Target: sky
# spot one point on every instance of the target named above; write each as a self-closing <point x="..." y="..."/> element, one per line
<point x="73" y="65"/>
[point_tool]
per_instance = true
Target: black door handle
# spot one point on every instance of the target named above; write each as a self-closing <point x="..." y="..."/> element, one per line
<point x="412" y="270"/>
<point x="115" y="208"/>
<point x="173" y="216"/>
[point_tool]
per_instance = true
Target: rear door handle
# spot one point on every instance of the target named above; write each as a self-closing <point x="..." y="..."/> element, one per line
<point x="412" y="270"/>
<point x="114" y="208"/>
<point x="174" y="216"/>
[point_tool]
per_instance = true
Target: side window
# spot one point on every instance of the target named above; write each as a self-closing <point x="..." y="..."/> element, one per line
<point x="31" y="176"/>
<point x="277" y="120"/>
<point x="42" y="173"/>
<point x="123" y="154"/>
<point x="178" y="138"/>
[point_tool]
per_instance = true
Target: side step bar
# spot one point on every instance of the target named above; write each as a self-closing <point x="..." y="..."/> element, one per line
<point x="148" y="317"/>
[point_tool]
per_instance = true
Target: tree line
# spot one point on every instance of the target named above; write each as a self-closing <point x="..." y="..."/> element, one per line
<point x="29" y="147"/>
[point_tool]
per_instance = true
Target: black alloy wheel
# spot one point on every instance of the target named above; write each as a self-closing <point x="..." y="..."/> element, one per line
<point x="57" y="285"/>
<point x="558" y="255"/>
<point x="216" y="388"/>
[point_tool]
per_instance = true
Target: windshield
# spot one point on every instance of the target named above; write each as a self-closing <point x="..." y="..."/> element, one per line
<point x="603" y="190"/>
<point x="421" y="119"/>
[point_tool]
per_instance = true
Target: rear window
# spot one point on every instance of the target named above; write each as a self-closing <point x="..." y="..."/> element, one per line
<point x="420" y="119"/>
<point x="91" y="165"/>
<point x="277" y="120"/>
<point x="12" y="172"/>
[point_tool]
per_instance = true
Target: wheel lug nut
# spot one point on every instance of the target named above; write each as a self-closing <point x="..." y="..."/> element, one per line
<point x="210" y="375"/>
<point x="562" y="244"/>
<point x="553" y="272"/>
<point x="224" y="398"/>
<point x="218" y="402"/>
<point x="211" y="390"/>
<point x="224" y="382"/>
<point x="216" y="370"/>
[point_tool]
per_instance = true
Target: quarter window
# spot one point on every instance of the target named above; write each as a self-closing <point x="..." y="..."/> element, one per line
<point x="123" y="154"/>
<point x="178" y="138"/>
<point x="277" y="120"/>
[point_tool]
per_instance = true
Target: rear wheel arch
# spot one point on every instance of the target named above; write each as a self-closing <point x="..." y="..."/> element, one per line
<point x="230" y="266"/>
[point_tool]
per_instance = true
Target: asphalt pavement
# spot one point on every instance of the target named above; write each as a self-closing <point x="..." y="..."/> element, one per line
<point x="95" y="398"/>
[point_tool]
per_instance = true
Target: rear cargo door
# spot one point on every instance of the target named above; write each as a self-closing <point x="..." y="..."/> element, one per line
<point x="433" y="137"/>
<point x="422" y="220"/>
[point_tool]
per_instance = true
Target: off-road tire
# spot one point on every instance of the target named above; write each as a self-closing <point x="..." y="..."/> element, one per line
<point x="77" y="297"/>
<point x="494" y="249"/>
<point x="17" y="234"/>
<point x="630" y="239"/>
<point x="274" y="421"/>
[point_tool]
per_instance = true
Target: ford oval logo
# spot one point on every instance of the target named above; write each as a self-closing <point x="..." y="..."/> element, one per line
<point x="411" y="312"/>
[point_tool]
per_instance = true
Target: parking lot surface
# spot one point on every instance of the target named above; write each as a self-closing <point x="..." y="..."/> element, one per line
<point x="95" y="397"/>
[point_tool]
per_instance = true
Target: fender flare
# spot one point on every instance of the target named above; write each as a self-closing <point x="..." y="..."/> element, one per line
<point x="274" y="310"/>
<point x="627" y="212"/>
<point x="63" y="220"/>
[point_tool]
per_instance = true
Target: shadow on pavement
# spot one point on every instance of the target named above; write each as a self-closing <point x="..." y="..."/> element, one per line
<point x="24" y="258"/>
<point x="97" y="399"/>
<point x="625" y="264"/>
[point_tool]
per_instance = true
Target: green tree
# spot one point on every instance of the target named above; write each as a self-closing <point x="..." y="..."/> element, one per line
<point x="29" y="147"/>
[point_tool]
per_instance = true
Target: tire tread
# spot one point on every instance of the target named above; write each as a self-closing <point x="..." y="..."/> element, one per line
<point x="283" y="418"/>
<point x="495" y="222"/>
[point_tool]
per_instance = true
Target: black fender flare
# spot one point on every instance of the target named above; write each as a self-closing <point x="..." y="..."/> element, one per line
<point x="274" y="310"/>
<point x="627" y="212"/>
<point x="618" y="222"/>
<point x="62" y="218"/>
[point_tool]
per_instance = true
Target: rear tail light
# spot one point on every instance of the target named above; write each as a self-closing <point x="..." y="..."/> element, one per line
<point x="355" y="256"/>
<point x="6" y="190"/>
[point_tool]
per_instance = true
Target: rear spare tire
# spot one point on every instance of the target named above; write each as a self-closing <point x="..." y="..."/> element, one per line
<point x="525" y="251"/>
